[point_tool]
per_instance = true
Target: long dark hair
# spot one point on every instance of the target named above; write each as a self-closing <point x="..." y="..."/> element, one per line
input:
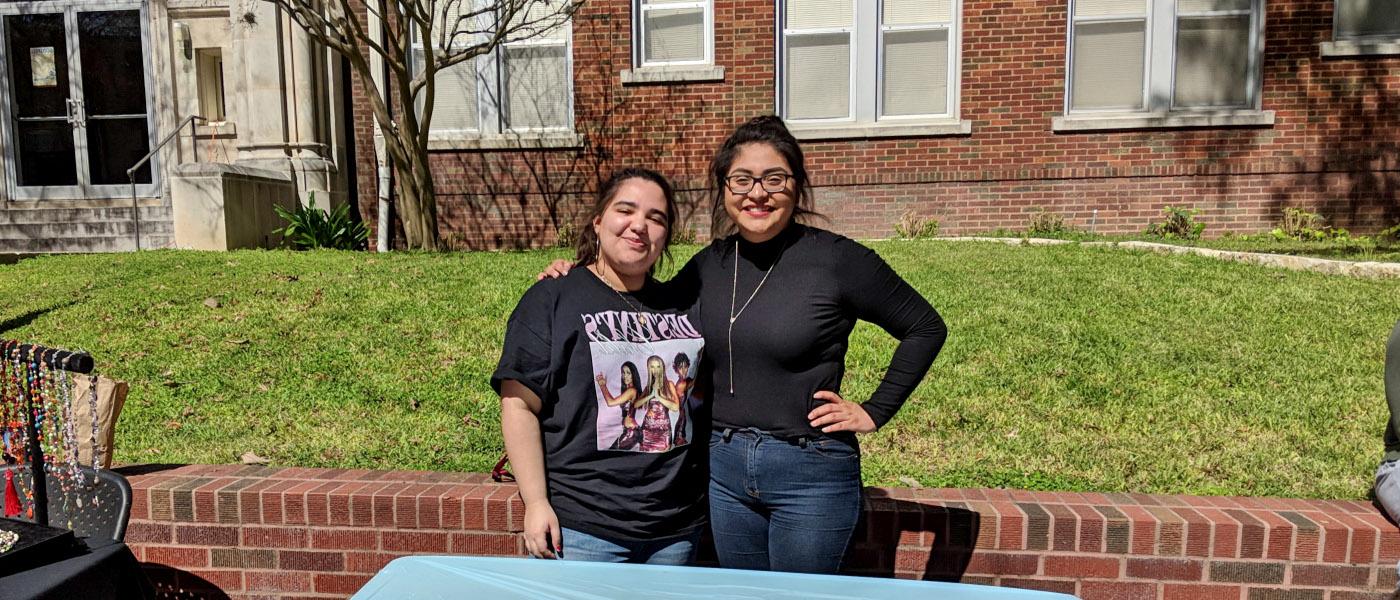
<point x="636" y="384"/>
<point x="586" y="243"/>
<point x="767" y="129"/>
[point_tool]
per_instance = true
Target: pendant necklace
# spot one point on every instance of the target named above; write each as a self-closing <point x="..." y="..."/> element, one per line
<point x="733" y="300"/>
<point x="642" y="316"/>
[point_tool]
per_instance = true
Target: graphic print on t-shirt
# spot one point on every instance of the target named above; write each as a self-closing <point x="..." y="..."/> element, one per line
<point x="644" y="368"/>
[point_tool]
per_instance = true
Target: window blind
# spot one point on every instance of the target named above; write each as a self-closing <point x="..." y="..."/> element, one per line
<point x="915" y="12"/>
<point x="1363" y="18"/>
<point x="819" y="14"/>
<point x="1212" y="61"/>
<point x="1108" y="65"/>
<point x="675" y="34"/>
<point x="818" y="76"/>
<point x="536" y="87"/>
<point x="916" y="72"/>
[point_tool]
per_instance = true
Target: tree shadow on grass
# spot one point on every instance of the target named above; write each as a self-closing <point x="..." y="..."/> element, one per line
<point x="25" y="319"/>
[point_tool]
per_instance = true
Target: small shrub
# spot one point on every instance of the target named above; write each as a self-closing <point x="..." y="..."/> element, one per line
<point x="912" y="227"/>
<point x="1301" y="225"/>
<point x="1046" y="223"/>
<point x="564" y="235"/>
<point x="1180" y="224"/>
<point x="1391" y="235"/>
<point x="310" y="227"/>
<point x="684" y="235"/>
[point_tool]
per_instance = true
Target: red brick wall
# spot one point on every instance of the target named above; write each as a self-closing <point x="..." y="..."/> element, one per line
<point x="1335" y="146"/>
<point x="214" y="531"/>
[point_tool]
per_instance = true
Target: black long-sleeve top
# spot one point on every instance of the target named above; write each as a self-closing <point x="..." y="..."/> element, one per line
<point x="790" y="341"/>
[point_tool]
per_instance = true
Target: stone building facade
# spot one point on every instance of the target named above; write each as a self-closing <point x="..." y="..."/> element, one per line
<point x="91" y="87"/>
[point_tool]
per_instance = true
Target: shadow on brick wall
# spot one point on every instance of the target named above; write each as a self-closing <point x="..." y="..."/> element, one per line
<point x="531" y="192"/>
<point x="902" y="538"/>
<point x="173" y="584"/>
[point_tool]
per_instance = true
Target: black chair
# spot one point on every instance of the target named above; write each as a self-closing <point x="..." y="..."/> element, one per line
<point x="97" y="512"/>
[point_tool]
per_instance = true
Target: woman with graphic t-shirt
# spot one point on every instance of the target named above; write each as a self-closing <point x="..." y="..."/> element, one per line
<point x="597" y="487"/>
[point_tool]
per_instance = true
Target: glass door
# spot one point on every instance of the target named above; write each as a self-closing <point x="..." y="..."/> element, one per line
<point x="113" y="96"/>
<point x="44" y="152"/>
<point x="78" y="102"/>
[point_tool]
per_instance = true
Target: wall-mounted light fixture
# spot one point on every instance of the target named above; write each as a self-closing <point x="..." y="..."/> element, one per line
<point x="186" y="41"/>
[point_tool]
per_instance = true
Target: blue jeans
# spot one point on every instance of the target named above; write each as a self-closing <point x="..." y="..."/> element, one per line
<point x="670" y="551"/>
<point x="782" y="505"/>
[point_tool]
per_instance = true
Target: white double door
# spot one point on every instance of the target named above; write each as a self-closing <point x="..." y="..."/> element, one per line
<point x="77" y="99"/>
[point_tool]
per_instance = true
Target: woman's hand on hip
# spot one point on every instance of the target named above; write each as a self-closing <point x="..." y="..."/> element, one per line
<point x="839" y="414"/>
<point x="542" y="537"/>
<point x="556" y="269"/>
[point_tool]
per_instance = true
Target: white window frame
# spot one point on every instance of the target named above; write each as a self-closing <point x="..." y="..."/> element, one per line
<point x="1358" y="45"/>
<point x="954" y="58"/>
<point x="489" y="69"/>
<point x="639" y="33"/>
<point x="1159" y="109"/>
<point x="865" y="116"/>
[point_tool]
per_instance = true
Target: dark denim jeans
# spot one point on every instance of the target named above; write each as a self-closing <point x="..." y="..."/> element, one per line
<point x="782" y="505"/>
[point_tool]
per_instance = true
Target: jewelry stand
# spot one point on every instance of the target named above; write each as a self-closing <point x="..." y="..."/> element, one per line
<point x="29" y="354"/>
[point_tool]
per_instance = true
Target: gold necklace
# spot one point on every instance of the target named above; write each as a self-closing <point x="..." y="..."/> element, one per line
<point x="597" y="272"/>
<point x="733" y="299"/>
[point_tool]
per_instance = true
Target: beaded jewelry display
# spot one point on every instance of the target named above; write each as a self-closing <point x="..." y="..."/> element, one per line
<point x="36" y="389"/>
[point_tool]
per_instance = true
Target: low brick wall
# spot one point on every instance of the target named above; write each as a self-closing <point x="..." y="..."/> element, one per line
<point x="231" y="531"/>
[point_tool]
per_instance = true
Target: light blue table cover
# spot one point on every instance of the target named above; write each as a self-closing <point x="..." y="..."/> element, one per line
<point x="481" y="578"/>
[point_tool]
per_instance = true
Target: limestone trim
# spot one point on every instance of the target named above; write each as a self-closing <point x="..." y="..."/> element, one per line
<point x="509" y="141"/>
<point x="682" y="74"/>
<point x="887" y="129"/>
<point x="1240" y="118"/>
<point x="1353" y="48"/>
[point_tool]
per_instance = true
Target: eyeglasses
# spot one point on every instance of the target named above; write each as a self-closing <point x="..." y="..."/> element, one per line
<point x="743" y="184"/>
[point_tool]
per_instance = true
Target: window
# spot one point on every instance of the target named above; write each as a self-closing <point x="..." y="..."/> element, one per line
<point x="891" y="63"/>
<point x="523" y="86"/>
<point x="209" y="73"/>
<point x="1365" y="20"/>
<point x="1159" y="56"/>
<point x="1364" y="27"/>
<point x="673" y="33"/>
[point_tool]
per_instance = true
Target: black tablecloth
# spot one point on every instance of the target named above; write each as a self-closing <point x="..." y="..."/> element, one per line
<point x="110" y="571"/>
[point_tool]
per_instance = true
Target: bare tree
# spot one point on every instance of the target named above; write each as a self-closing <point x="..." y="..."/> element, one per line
<point x="421" y="38"/>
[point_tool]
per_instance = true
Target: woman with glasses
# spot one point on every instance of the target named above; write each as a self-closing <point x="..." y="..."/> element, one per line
<point x="778" y="301"/>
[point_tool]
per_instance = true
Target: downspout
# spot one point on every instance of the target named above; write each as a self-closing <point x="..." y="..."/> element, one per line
<point x="380" y="73"/>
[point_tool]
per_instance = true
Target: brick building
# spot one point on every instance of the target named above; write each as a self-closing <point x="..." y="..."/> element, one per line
<point x="974" y="112"/>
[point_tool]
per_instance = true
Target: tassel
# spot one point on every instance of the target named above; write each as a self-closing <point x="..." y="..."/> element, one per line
<point x="11" y="495"/>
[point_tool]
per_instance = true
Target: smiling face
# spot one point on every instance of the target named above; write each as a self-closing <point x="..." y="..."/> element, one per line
<point x="632" y="229"/>
<point x="760" y="214"/>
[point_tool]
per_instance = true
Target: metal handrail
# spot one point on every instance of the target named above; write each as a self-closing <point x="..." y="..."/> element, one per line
<point x="131" y="173"/>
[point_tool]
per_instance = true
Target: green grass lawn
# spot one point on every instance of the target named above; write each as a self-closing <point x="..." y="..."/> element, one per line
<point x="1066" y="368"/>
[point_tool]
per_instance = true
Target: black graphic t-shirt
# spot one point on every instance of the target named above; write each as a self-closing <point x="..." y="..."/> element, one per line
<point x="615" y="374"/>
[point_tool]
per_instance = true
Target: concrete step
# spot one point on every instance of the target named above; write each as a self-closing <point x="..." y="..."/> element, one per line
<point x="20" y="216"/>
<point x="35" y="231"/>
<point x="84" y="245"/>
